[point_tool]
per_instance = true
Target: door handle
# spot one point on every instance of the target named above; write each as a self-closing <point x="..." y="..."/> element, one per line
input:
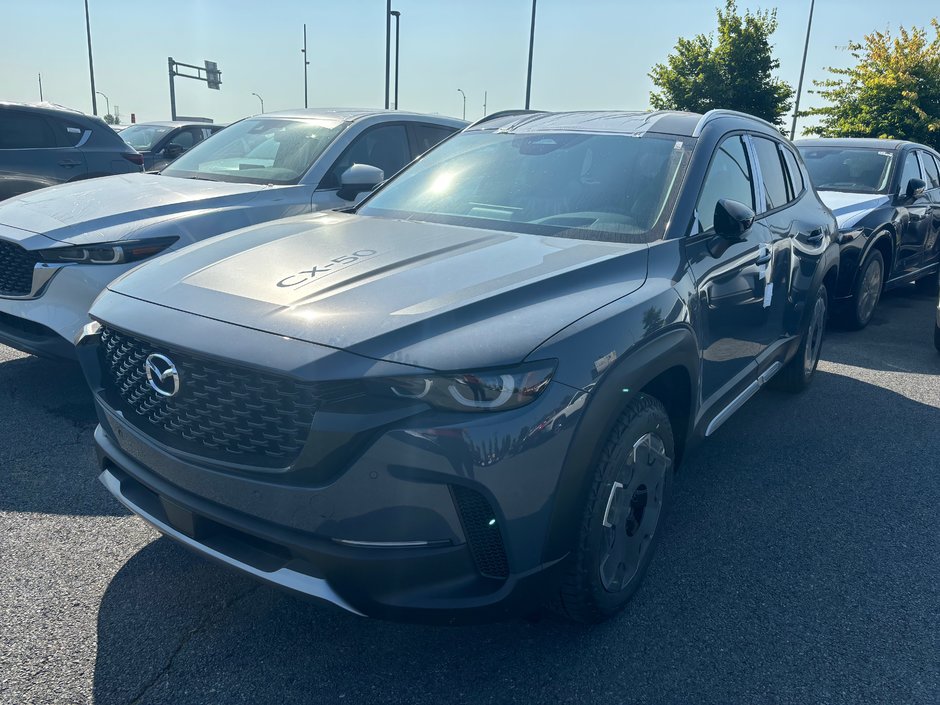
<point x="765" y="257"/>
<point x="815" y="237"/>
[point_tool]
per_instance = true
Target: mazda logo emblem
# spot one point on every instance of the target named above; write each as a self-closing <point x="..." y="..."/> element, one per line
<point x="162" y="375"/>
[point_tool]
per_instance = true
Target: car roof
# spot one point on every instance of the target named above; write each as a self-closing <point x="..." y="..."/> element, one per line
<point x="174" y="123"/>
<point x="352" y="114"/>
<point x="45" y="107"/>
<point x="857" y="142"/>
<point x="633" y="122"/>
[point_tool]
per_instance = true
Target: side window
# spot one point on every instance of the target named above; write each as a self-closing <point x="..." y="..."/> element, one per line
<point x="385" y="147"/>
<point x="930" y="166"/>
<point x="729" y="176"/>
<point x="427" y="136"/>
<point x="793" y="169"/>
<point x="909" y="170"/>
<point x="25" y="131"/>
<point x="771" y="170"/>
<point x="183" y="139"/>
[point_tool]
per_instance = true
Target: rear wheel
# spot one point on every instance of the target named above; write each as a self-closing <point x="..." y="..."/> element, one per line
<point x="797" y="373"/>
<point x="621" y="523"/>
<point x="867" y="292"/>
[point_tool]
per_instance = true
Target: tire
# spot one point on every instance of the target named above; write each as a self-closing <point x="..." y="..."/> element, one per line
<point x="867" y="291"/>
<point x="622" y="520"/>
<point x="798" y="372"/>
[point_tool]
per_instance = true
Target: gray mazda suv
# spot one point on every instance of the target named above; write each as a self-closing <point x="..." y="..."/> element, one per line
<point x="467" y="396"/>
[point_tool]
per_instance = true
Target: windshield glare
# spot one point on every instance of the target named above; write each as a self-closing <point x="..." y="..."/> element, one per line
<point x="841" y="169"/>
<point x="143" y="137"/>
<point x="617" y="188"/>
<point x="258" y="151"/>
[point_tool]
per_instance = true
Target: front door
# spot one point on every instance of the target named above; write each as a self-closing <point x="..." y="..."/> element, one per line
<point x="916" y="226"/>
<point x="732" y="285"/>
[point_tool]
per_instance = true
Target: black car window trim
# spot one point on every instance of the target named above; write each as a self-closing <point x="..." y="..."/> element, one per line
<point x="755" y="192"/>
<point x="922" y="156"/>
<point x="759" y="175"/>
<point x="403" y="123"/>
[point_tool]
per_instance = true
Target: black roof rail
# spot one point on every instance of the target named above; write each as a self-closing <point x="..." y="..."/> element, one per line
<point x="718" y="113"/>
<point x="504" y="113"/>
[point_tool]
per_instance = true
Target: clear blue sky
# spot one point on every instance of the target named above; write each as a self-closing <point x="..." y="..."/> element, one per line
<point x="588" y="53"/>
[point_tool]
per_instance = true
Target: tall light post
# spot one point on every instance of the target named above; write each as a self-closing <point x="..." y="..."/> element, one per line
<point x="261" y="99"/>
<point x="388" y="48"/>
<point x="106" y="102"/>
<point x="528" y="80"/>
<point x="397" y="16"/>
<point x="464" y="103"/>
<point x="91" y="64"/>
<point x="799" y="85"/>
<point x="484" y="103"/>
<point x="40" y="88"/>
<point x="306" y="64"/>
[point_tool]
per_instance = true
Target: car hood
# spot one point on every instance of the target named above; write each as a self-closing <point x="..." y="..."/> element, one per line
<point x="429" y="295"/>
<point x="78" y="212"/>
<point x="849" y="208"/>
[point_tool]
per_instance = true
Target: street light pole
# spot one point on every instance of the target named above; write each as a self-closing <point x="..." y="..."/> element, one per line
<point x="91" y="64"/>
<point x="397" y="15"/>
<point x="388" y="48"/>
<point x="528" y="80"/>
<point x="799" y="86"/>
<point x="484" y="103"/>
<point x="106" y="102"/>
<point x="306" y="64"/>
<point x="40" y="88"/>
<point x="261" y="99"/>
<point x="464" y="103"/>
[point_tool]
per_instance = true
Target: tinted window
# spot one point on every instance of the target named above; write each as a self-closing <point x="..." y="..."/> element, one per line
<point x="771" y="170"/>
<point x="851" y="169"/>
<point x="609" y="187"/>
<point x="793" y="169"/>
<point x="910" y="170"/>
<point x="385" y="147"/>
<point x="933" y="177"/>
<point x="427" y="136"/>
<point x="25" y="131"/>
<point x="729" y="176"/>
<point x="144" y="137"/>
<point x="258" y="151"/>
<point x="184" y="139"/>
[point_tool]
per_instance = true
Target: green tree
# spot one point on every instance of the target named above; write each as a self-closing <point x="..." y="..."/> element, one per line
<point x="110" y="119"/>
<point x="734" y="71"/>
<point x="892" y="91"/>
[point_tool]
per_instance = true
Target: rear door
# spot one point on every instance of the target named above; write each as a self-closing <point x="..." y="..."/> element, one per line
<point x="914" y="228"/>
<point x="36" y="151"/>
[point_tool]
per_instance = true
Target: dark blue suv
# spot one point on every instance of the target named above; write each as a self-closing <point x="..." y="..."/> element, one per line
<point x="467" y="396"/>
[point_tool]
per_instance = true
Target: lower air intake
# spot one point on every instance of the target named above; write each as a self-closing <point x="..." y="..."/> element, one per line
<point x="482" y="531"/>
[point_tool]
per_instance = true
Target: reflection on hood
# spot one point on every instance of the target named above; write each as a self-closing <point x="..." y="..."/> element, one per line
<point x="849" y="208"/>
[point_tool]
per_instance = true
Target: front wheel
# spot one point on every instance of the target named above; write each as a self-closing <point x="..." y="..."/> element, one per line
<point x="621" y="523"/>
<point x="798" y="373"/>
<point x="867" y="292"/>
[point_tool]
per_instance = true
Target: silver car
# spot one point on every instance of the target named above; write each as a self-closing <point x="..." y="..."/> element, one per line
<point x="61" y="246"/>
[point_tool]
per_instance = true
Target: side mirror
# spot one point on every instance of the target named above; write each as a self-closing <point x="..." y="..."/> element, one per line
<point x="172" y="151"/>
<point x="732" y="219"/>
<point x="359" y="178"/>
<point x="915" y="188"/>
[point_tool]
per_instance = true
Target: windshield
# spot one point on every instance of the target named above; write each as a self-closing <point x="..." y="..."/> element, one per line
<point x="617" y="188"/>
<point x="144" y="137"/>
<point x="258" y="151"/>
<point x="853" y="169"/>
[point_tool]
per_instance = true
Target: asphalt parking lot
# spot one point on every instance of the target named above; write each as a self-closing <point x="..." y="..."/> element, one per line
<point x="801" y="564"/>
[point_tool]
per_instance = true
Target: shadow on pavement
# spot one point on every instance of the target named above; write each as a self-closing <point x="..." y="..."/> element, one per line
<point x="47" y="458"/>
<point x="800" y="564"/>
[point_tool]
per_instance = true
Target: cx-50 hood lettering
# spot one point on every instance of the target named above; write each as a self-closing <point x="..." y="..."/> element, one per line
<point x="432" y="295"/>
<point x="849" y="208"/>
<point x="77" y="212"/>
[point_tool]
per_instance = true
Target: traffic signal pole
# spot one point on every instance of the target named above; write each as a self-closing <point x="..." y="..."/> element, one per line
<point x="212" y="76"/>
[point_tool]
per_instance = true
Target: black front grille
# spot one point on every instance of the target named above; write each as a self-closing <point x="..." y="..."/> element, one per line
<point x="482" y="532"/>
<point x="221" y="411"/>
<point x="16" y="269"/>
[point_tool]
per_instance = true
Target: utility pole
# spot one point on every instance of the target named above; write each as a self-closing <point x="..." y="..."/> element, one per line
<point x="388" y="48"/>
<point x="397" y="15"/>
<point x="40" y="88"/>
<point x="306" y="64"/>
<point x="91" y="64"/>
<point x="799" y="86"/>
<point x="464" y="103"/>
<point x="528" y="80"/>
<point x="484" y="103"/>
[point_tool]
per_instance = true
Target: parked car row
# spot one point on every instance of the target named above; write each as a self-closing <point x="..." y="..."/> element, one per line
<point x="466" y="391"/>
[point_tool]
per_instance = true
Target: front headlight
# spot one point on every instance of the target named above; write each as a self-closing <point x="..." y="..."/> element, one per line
<point x="108" y="252"/>
<point x="484" y="390"/>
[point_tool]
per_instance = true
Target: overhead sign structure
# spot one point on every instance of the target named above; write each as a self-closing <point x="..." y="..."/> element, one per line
<point x="209" y="73"/>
